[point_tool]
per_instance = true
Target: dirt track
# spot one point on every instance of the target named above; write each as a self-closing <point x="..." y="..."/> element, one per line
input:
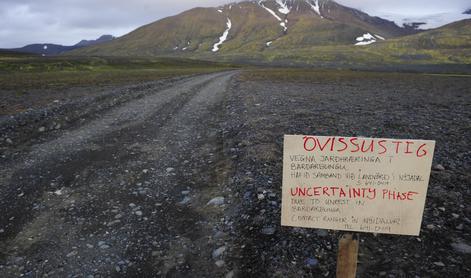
<point x="120" y="186"/>
<point x="124" y="193"/>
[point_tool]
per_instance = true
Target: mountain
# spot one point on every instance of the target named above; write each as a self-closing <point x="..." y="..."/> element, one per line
<point x="254" y="26"/>
<point x="49" y="49"/>
<point x="102" y="39"/>
<point x="313" y="32"/>
<point x="468" y="11"/>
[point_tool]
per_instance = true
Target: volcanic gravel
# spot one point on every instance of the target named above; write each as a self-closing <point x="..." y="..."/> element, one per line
<point x="182" y="177"/>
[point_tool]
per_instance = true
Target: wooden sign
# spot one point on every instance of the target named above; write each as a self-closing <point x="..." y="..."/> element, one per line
<point x="355" y="184"/>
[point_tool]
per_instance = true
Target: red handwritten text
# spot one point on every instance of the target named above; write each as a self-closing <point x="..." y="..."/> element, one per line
<point x="362" y="145"/>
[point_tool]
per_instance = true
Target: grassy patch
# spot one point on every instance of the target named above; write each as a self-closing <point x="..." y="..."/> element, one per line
<point x="307" y="75"/>
<point x="20" y="72"/>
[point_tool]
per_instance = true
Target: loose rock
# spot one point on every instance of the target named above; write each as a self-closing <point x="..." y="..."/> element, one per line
<point x="268" y="230"/>
<point x="440" y="264"/>
<point x="219" y="252"/>
<point x="72" y="254"/>
<point x="218" y="201"/>
<point x="461" y="247"/>
<point x="311" y="262"/>
<point x="219" y="263"/>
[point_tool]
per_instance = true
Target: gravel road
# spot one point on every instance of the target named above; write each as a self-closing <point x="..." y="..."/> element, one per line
<point x="124" y="193"/>
<point x="182" y="178"/>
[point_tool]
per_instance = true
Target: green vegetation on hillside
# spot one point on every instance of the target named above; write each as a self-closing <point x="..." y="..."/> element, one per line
<point x="448" y="45"/>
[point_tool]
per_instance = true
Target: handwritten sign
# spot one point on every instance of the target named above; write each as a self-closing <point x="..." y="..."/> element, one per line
<point x="355" y="184"/>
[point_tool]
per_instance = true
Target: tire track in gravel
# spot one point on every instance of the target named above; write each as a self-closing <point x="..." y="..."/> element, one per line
<point x="60" y="196"/>
<point x="75" y="107"/>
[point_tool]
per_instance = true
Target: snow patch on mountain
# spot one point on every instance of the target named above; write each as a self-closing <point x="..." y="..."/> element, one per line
<point x="223" y="38"/>
<point x="187" y="46"/>
<point x="270" y="11"/>
<point x="282" y="23"/>
<point x="315" y="7"/>
<point x="283" y="7"/>
<point x="368" y="38"/>
<point x="379" y="37"/>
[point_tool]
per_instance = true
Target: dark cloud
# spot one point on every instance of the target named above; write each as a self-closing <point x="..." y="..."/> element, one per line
<point x="69" y="21"/>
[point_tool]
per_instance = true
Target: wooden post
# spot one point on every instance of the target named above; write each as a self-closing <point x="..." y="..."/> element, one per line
<point x="347" y="257"/>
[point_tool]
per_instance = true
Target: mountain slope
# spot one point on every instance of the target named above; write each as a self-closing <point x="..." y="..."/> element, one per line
<point x="455" y="35"/>
<point x="255" y="26"/>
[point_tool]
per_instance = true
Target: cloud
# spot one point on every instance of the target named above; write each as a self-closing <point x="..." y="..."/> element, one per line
<point x="68" y="21"/>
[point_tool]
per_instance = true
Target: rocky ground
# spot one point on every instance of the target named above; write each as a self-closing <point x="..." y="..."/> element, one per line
<point x="182" y="177"/>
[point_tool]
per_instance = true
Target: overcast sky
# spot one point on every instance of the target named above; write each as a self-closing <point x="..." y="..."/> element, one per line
<point x="68" y="21"/>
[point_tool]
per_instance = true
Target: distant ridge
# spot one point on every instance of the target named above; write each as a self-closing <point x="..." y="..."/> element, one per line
<point x="48" y="49"/>
<point x="102" y="39"/>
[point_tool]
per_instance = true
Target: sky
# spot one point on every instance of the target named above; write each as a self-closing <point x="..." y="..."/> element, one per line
<point x="67" y="22"/>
